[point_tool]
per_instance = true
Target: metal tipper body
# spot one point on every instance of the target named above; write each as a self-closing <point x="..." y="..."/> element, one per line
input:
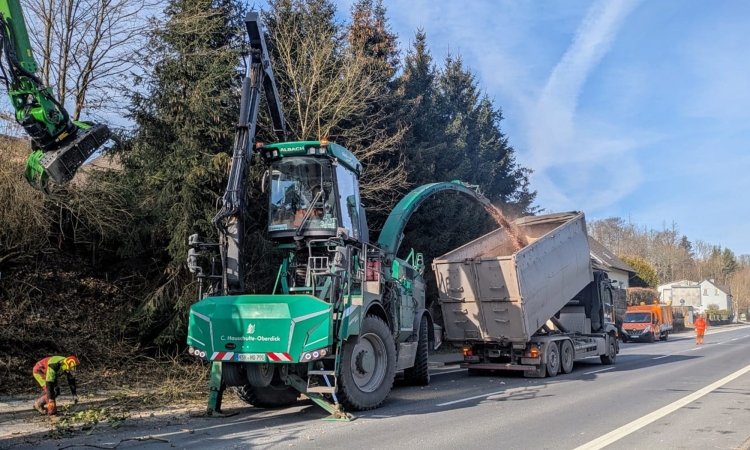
<point x="506" y="306"/>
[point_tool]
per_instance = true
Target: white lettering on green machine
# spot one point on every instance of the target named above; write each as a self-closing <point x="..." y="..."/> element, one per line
<point x="252" y="338"/>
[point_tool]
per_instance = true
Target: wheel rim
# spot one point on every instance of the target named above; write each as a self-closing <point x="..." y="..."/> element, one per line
<point x="369" y="362"/>
<point x="554" y="360"/>
<point x="567" y="356"/>
<point x="266" y="370"/>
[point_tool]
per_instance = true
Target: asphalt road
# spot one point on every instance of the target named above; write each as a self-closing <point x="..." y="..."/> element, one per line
<point x="666" y="395"/>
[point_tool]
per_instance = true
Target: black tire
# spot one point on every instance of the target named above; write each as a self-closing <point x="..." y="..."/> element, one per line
<point x="651" y="338"/>
<point x="260" y="375"/>
<point x="624" y="339"/>
<point x="267" y="397"/>
<point x="553" y="359"/>
<point x="611" y="355"/>
<point x="234" y="374"/>
<point x="368" y="366"/>
<point x="567" y="357"/>
<point x="664" y="336"/>
<point x="420" y="373"/>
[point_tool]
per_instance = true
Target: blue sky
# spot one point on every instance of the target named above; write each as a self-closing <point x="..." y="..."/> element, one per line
<point x="635" y="109"/>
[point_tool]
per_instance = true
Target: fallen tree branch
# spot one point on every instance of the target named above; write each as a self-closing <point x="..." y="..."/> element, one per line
<point x="140" y="439"/>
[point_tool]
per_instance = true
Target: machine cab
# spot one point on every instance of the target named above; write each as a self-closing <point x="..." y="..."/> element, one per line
<point x="313" y="190"/>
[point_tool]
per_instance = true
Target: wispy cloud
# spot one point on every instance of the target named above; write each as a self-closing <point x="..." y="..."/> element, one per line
<point x="559" y="139"/>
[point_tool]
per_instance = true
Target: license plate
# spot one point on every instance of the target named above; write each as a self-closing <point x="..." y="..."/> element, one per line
<point x="255" y="357"/>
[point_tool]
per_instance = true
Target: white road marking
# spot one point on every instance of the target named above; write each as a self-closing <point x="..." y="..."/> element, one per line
<point x="600" y="370"/>
<point x="616" y="435"/>
<point x="735" y="339"/>
<point x="694" y="349"/>
<point x="665" y="356"/>
<point x="719" y="343"/>
<point x="475" y="397"/>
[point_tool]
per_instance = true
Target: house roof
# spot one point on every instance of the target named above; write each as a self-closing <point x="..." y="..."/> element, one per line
<point x="606" y="258"/>
<point x="679" y="283"/>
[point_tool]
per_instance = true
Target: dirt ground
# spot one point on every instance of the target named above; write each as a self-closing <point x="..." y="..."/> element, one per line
<point x="96" y="413"/>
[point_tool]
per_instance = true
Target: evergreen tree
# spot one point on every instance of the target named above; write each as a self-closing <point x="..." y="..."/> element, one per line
<point x="417" y="93"/>
<point x="728" y="263"/>
<point x="184" y="115"/>
<point x="371" y="39"/>
<point x="686" y="245"/>
<point x="176" y="161"/>
<point x="454" y="133"/>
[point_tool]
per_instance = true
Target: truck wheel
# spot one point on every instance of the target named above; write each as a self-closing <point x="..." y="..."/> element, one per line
<point x="368" y="366"/>
<point x="567" y="356"/>
<point x="267" y="397"/>
<point x="651" y="337"/>
<point x="553" y="359"/>
<point x="611" y="355"/>
<point x="259" y="375"/>
<point x="624" y="339"/>
<point x="664" y="336"/>
<point x="420" y="373"/>
<point x="234" y="374"/>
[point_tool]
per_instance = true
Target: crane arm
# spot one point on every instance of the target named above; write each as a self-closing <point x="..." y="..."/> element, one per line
<point x="258" y="77"/>
<point x="59" y="145"/>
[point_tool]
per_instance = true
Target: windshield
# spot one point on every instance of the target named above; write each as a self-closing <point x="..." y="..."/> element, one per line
<point x="295" y="183"/>
<point x="643" y="317"/>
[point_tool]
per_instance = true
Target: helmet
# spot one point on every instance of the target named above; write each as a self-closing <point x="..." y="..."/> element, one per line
<point x="71" y="362"/>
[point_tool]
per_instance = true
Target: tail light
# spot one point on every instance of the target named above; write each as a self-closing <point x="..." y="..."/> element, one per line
<point x="468" y="351"/>
<point x="533" y="352"/>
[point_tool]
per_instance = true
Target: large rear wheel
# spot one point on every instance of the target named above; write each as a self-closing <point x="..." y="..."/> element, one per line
<point x="259" y="375"/>
<point x="553" y="359"/>
<point x="235" y="374"/>
<point x="368" y="366"/>
<point x="420" y="373"/>
<point x="611" y="355"/>
<point x="567" y="356"/>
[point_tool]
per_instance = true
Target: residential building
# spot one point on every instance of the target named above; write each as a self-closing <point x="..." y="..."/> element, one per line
<point x="665" y="291"/>
<point x="715" y="294"/>
<point x="698" y="295"/>
<point x="617" y="270"/>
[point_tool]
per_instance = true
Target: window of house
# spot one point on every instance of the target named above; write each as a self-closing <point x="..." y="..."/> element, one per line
<point x="716" y="292"/>
<point x="705" y="291"/>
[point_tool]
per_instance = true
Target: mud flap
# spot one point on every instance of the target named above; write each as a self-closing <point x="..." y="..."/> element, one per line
<point x="539" y="372"/>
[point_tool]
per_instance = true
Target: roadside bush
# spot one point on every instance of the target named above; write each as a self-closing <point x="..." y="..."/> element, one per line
<point x="25" y="221"/>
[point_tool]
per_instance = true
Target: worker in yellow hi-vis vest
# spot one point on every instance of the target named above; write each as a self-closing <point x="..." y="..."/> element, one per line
<point x="46" y="372"/>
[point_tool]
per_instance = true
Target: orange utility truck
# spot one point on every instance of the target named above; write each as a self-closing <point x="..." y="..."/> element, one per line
<point x="647" y="322"/>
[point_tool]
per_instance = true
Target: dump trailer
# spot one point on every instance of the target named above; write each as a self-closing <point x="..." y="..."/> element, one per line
<point x="536" y="309"/>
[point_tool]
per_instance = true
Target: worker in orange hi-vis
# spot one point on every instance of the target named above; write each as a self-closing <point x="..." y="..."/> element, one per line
<point x="700" y="330"/>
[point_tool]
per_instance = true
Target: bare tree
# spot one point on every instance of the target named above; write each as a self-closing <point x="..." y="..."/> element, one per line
<point x="88" y="48"/>
<point x="328" y="93"/>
